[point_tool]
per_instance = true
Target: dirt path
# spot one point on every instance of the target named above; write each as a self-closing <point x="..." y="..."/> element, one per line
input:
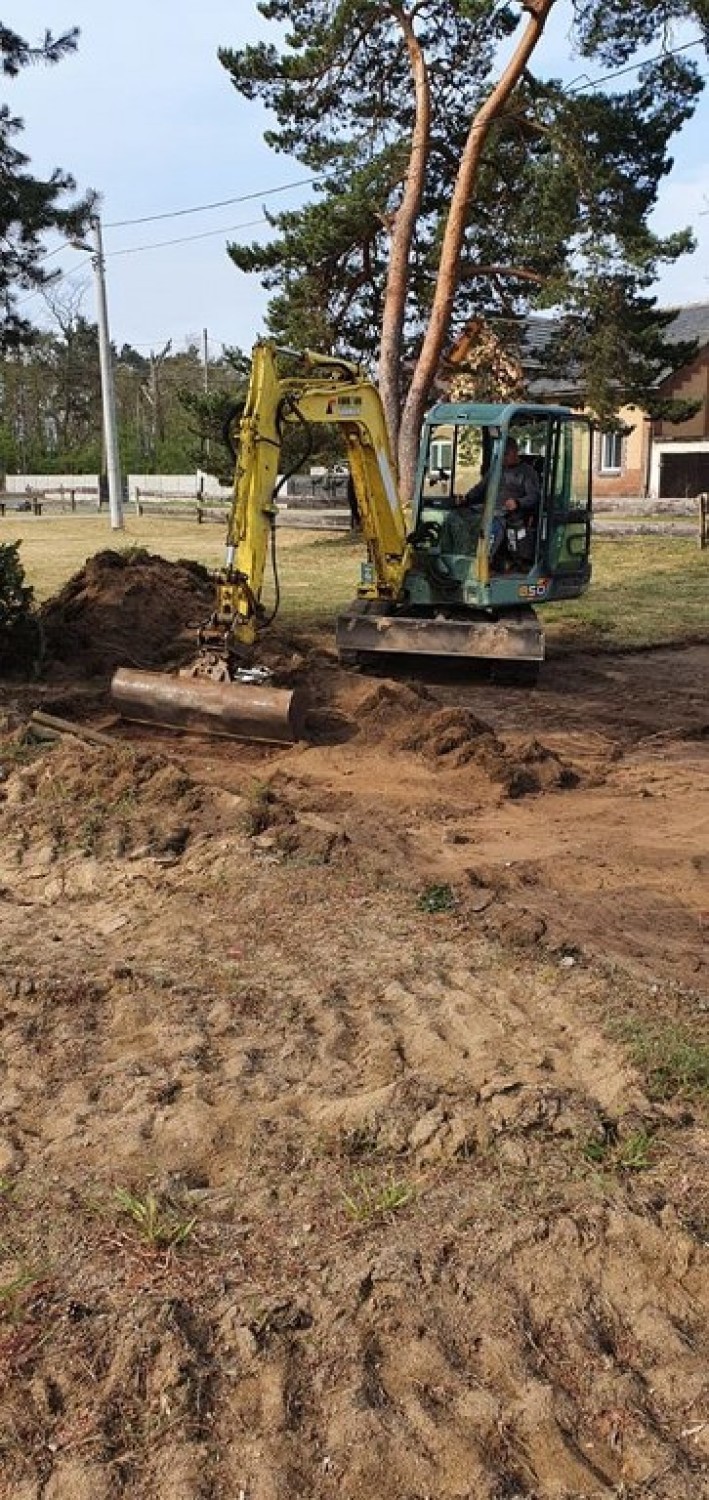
<point x="335" y="1156"/>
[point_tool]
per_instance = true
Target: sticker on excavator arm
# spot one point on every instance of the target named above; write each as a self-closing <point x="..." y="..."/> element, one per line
<point x="345" y="406"/>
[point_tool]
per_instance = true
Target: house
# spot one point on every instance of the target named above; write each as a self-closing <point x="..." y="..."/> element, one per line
<point x="644" y="457"/>
<point x="678" y="453"/>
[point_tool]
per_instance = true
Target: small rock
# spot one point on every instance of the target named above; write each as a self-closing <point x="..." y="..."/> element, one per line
<point x="9" y="1157"/>
<point x="480" y="900"/>
<point x="499" y="1086"/>
<point x="567" y="962"/>
<point x="426" y="1128"/>
<point x="245" y="1343"/>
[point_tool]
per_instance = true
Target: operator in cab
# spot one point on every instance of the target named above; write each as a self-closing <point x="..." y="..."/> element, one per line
<point x="519" y="496"/>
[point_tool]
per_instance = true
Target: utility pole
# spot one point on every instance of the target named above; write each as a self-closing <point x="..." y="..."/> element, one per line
<point x="108" y="397"/>
<point x="205" y="361"/>
<point x="151" y="392"/>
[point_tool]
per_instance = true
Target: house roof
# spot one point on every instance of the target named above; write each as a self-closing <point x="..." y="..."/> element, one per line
<point x="690" y="324"/>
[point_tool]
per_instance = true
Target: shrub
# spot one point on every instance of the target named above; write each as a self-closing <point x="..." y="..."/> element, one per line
<point x="19" y="633"/>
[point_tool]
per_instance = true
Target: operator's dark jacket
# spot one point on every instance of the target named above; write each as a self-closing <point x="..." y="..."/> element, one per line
<point x="520" y="482"/>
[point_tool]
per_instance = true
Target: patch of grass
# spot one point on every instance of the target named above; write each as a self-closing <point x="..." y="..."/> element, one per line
<point x="633" y="1154"/>
<point x="91" y="829"/>
<point x="257" y="813"/>
<point x="368" y="1199"/>
<point x="18" y="753"/>
<point x="134" y="552"/>
<point x="646" y="590"/>
<point x="673" y="1060"/>
<point x="12" y="1292"/>
<point x="156" y="1220"/>
<point x="436" y="898"/>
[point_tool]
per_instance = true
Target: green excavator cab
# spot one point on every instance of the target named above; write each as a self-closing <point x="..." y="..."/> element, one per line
<point x="467" y="547"/>
<point x="476" y="569"/>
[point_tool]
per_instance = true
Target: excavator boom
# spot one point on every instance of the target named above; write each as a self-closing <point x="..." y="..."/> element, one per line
<point x="217" y="693"/>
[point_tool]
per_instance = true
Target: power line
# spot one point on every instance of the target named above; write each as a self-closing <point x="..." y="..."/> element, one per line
<point x="634" y="67"/>
<point x="202" y="208"/>
<point x="186" y="239"/>
<point x="307" y="181"/>
<point x="138" y="249"/>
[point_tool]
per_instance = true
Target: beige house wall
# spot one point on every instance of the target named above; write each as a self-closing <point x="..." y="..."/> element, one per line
<point x="630" y="477"/>
<point x="633" y="477"/>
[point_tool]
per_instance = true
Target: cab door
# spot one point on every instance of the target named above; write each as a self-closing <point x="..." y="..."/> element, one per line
<point x="566" y="523"/>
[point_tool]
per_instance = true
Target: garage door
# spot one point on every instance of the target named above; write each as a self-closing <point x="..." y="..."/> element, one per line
<point x="683" y="474"/>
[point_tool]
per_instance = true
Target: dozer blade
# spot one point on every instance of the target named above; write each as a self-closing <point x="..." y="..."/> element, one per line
<point x="517" y="636"/>
<point x="242" y="711"/>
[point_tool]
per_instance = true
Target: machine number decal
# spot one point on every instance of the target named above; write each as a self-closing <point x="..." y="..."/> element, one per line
<point x="345" y="406"/>
<point x="534" y="590"/>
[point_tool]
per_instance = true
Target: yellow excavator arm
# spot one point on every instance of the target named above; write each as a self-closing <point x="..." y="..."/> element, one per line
<point x="329" y="391"/>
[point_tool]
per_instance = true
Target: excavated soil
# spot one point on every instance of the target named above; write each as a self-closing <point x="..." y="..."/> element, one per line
<point x="353" y="1095"/>
<point x="125" y="609"/>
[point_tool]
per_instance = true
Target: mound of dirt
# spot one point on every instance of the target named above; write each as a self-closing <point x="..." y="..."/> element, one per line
<point x="102" y="802"/>
<point x="390" y="708"/>
<point x="537" y="768"/>
<point x="457" y="737"/>
<point x="126" y="608"/>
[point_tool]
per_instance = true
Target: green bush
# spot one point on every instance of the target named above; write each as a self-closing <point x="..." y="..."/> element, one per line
<point x="19" y="633"/>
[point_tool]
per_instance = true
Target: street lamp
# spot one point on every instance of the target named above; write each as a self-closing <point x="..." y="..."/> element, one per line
<point x="108" y="397"/>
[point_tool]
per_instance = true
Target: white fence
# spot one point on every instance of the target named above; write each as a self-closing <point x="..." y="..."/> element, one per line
<point x="21" y="484"/>
<point x="177" y="487"/>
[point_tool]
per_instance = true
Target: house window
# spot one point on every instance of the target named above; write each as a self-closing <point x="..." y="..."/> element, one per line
<point x="442" y="454"/>
<point x="611" y="452"/>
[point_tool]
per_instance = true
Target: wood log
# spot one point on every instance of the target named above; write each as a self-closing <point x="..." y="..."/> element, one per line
<point x="66" y="727"/>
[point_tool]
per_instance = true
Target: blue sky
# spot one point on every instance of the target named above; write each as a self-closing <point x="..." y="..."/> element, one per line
<point x="145" y="114"/>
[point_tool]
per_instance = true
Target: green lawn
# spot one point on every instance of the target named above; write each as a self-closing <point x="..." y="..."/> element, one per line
<point x="645" y="590"/>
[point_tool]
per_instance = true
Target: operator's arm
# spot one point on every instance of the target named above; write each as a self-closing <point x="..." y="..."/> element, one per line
<point x="475" y="495"/>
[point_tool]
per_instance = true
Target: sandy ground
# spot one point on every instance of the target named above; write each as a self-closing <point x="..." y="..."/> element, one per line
<point x="335" y="1159"/>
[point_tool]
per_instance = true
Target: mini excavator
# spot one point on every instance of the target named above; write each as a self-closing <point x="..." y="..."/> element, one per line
<point x="456" y="578"/>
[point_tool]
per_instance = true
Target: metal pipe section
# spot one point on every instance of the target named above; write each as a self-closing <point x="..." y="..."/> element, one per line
<point x="242" y="711"/>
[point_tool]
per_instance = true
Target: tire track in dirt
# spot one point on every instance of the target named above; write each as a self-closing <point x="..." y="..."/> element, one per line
<point x="231" y="996"/>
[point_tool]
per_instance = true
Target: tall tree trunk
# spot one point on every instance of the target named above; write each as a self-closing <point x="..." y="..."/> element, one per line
<point x="403" y="233"/>
<point x="448" y="272"/>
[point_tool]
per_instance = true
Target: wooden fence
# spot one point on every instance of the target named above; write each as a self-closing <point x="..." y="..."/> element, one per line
<point x="203" y="507"/>
<point x="64" y="497"/>
<point x="640" y="517"/>
<point x="304" y="513"/>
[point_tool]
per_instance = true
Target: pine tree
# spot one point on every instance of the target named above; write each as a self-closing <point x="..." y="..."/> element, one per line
<point x="29" y="206"/>
<point x="449" y="187"/>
